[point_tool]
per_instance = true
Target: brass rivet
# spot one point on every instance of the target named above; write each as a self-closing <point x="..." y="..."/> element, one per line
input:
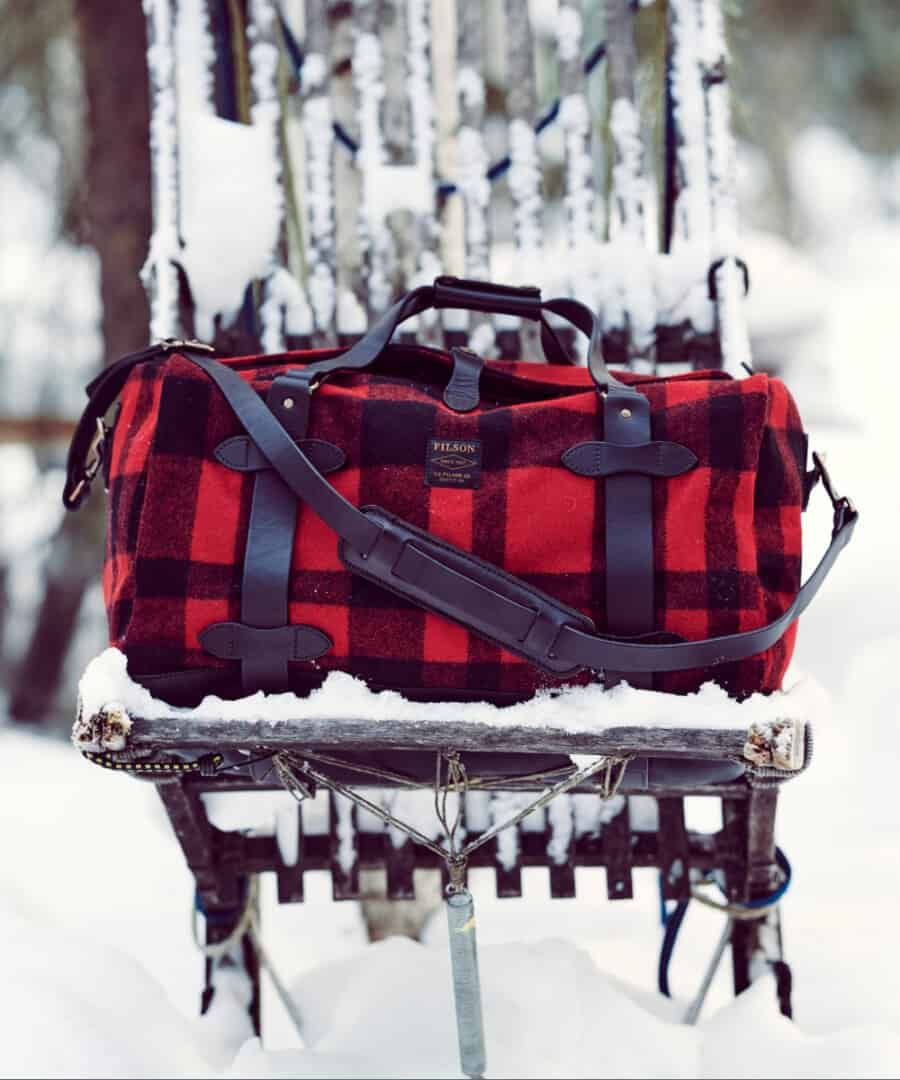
<point x="625" y="414"/>
<point x="288" y="403"/>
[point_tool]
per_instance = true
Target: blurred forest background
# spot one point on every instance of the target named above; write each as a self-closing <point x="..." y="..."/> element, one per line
<point x="75" y="219"/>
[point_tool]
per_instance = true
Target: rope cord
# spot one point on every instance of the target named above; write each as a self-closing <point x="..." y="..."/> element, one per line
<point x="748" y="910"/>
<point x="247" y="925"/>
<point x="445" y="188"/>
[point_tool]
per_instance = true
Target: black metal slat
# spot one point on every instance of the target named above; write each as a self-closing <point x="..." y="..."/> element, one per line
<point x="673" y="845"/>
<point x="400" y="864"/>
<point x="562" y="874"/>
<point x="290" y="878"/>
<point x="617" y="850"/>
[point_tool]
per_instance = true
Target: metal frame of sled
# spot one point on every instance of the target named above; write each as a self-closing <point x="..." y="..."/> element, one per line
<point x="184" y="757"/>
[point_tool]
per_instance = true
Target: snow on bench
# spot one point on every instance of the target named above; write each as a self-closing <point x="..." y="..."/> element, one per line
<point x="115" y="712"/>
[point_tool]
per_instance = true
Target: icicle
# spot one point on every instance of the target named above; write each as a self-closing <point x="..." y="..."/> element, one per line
<point x="159" y="273"/>
<point x="736" y="355"/>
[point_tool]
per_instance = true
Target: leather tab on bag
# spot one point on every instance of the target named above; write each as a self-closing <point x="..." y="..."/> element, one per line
<point x="664" y="459"/>
<point x="236" y="641"/>
<point x="239" y="453"/>
<point x="463" y="393"/>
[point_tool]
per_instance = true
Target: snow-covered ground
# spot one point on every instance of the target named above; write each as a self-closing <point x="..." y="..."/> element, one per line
<point x="101" y="978"/>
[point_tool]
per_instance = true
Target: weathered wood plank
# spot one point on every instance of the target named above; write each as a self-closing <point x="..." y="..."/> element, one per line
<point x="426" y="733"/>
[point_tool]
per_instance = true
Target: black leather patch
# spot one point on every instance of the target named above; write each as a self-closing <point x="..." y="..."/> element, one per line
<point x="649" y="459"/>
<point x="453" y="463"/>
<point x="241" y="454"/>
<point x="236" y="641"/>
<point x="463" y="392"/>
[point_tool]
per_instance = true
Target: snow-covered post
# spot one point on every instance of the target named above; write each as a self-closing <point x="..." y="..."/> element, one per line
<point x="472" y="164"/>
<point x="351" y="288"/>
<point x="690" y="183"/>
<point x="421" y="96"/>
<point x="636" y="314"/>
<point x="525" y="169"/>
<point x="160" y="271"/>
<point x="284" y="305"/>
<point x="730" y="310"/>
<point x="378" y="250"/>
<point x="575" y="121"/>
<point x="318" y="142"/>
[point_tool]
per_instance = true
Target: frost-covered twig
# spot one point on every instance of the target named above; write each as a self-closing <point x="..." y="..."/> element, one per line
<point x="368" y="78"/>
<point x="636" y="312"/>
<point x="472" y="163"/>
<point x="265" y="115"/>
<point x="525" y="169"/>
<point x="160" y="273"/>
<point x="575" y="121"/>
<point x="736" y="355"/>
<point x="319" y="196"/>
<point x="420" y="93"/>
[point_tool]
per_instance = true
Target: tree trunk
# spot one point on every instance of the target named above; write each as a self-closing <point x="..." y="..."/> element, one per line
<point x="112" y="40"/>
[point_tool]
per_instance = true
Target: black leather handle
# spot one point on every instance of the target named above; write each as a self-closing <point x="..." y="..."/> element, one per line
<point x="459" y="293"/>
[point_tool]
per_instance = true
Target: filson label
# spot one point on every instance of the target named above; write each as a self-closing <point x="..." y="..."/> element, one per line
<point x="453" y="463"/>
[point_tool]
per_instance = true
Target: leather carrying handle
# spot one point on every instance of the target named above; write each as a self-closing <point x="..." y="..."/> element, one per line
<point x="459" y="293"/>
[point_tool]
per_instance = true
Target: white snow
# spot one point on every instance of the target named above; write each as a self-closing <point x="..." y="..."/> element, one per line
<point x="230" y="227"/>
<point x="524" y="178"/>
<point x="165" y="135"/>
<point x="578" y="708"/>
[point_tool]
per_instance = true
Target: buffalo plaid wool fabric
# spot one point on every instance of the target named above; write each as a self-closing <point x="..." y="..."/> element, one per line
<point x="726" y="533"/>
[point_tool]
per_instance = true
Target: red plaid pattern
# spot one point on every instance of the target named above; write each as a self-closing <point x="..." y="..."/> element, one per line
<point x="726" y="533"/>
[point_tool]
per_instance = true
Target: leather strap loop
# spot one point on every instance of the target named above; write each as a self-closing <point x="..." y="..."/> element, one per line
<point x="662" y="459"/>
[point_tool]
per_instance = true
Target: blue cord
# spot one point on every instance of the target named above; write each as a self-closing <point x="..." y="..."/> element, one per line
<point x="672" y="920"/>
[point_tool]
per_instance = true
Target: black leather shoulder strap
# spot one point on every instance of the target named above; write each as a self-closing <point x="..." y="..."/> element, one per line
<point x="438" y="580"/>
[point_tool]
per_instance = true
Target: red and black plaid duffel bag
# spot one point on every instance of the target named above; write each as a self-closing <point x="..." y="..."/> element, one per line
<point x="446" y="527"/>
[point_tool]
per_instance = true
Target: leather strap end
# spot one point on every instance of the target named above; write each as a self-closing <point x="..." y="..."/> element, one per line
<point x="241" y="454"/>
<point x="236" y="641"/>
<point x="660" y="459"/>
